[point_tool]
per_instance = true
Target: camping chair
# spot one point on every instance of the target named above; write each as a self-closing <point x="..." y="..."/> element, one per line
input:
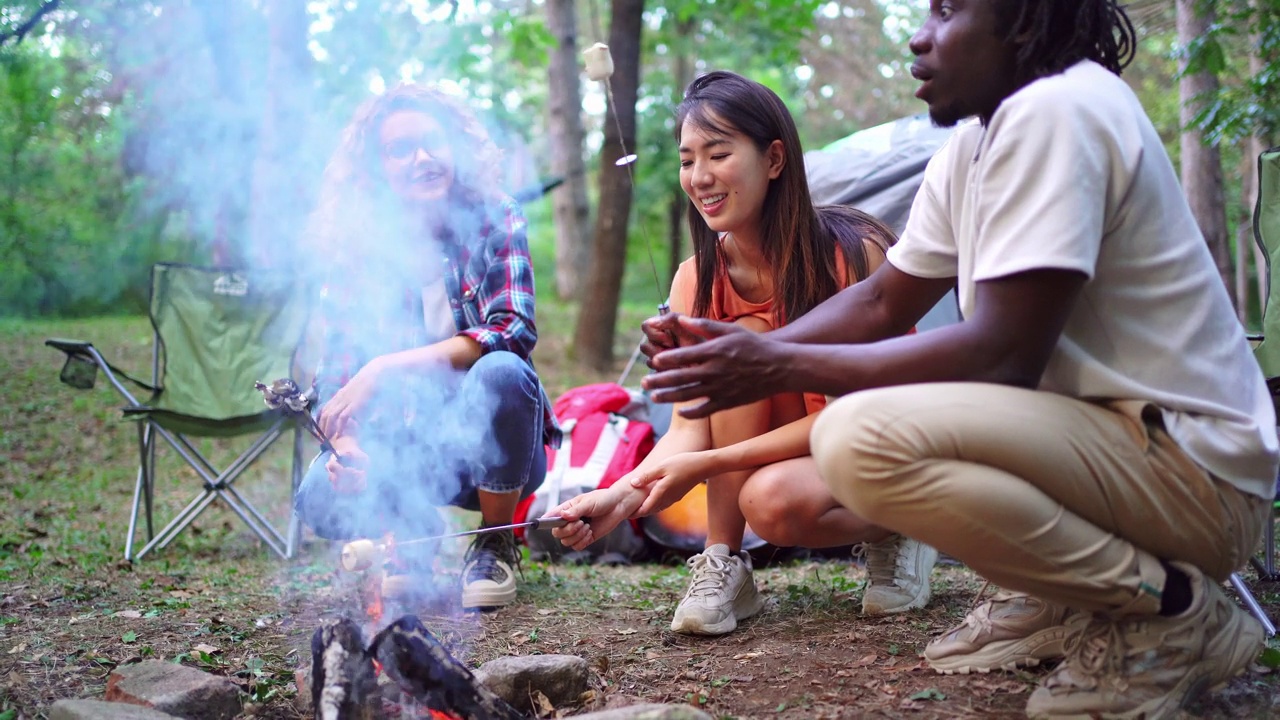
<point x="217" y="332"/>
<point x="1266" y="232"/>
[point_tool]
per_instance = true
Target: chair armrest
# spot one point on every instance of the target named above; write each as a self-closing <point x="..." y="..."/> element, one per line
<point x="70" y="347"/>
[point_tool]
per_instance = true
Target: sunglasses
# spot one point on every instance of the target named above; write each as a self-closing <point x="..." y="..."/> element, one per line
<point x="405" y="148"/>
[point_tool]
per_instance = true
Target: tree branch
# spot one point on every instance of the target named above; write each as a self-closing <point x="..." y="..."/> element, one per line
<point x="21" y="31"/>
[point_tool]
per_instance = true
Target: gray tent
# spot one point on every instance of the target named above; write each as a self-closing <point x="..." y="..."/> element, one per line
<point x="878" y="171"/>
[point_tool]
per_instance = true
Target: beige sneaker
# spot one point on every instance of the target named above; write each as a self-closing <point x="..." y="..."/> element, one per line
<point x="721" y="592"/>
<point x="898" y="570"/>
<point x="1148" y="667"/>
<point x="488" y="571"/>
<point x="1006" y="632"/>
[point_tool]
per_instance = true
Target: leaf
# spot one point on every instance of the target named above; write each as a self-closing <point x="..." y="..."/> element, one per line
<point x="131" y="614"/>
<point x="206" y="649"/>
<point x="1270" y="657"/>
<point x="129" y="637"/>
<point x="930" y="694"/>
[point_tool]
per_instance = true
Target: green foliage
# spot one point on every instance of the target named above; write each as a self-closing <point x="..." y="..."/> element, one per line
<point x="1248" y="102"/>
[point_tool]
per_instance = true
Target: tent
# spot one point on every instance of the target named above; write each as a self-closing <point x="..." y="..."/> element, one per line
<point x="878" y="171"/>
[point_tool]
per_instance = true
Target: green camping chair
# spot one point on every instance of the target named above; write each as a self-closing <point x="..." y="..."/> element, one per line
<point x="217" y="332"/>
<point x="1266" y="231"/>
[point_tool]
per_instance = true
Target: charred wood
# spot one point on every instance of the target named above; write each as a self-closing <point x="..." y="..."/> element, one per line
<point x="343" y="681"/>
<point x="423" y="668"/>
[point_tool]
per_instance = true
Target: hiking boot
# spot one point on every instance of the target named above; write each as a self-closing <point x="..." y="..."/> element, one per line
<point x="721" y="592"/>
<point x="1149" y="666"/>
<point x="1006" y="632"/>
<point x="488" y="571"/>
<point x="898" y="571"/>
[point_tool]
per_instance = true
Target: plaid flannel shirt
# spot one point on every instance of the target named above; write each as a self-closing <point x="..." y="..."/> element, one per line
<point x="489" y="280"/>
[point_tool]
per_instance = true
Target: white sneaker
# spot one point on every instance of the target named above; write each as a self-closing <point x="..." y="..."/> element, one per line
<point x="898" y="571"/>
<point x="721" y="592"/>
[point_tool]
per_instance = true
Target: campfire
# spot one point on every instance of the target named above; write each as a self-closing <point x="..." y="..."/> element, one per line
<point x="430" y="683"/>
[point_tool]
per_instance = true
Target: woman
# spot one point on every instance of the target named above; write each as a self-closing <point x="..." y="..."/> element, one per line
<point x="425" y="387"/>
<point x="763" y="255"/>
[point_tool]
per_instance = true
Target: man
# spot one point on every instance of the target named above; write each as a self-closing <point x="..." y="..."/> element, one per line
<point x="1095" y="435"/>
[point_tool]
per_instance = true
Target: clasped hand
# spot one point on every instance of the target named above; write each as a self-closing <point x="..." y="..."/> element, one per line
<point x="721" y="363"/>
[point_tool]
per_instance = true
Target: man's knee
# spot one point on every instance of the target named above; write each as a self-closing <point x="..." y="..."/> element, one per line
<point x="859" y="447"/>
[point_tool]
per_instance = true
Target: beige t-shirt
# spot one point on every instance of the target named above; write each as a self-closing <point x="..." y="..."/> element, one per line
<point x="1070" y="174"/>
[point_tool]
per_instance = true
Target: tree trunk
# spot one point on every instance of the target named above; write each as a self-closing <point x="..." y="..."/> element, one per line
<point x="569" y="206"/>
<point x="1201" y="163"/>
<point x="280" y="201"/>
<point x="597" y="320"/>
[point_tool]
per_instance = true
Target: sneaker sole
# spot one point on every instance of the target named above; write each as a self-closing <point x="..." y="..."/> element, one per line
<point x="487" y="598"/>
<point x="1030" y="651"/>
<point x="690" y="626"/>
<point x="919" y="600"/>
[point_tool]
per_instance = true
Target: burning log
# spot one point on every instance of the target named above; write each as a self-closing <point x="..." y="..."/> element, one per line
<point x="344" y="675"/>
<point x="343" y="680"/>
<point x="423" y="668"/>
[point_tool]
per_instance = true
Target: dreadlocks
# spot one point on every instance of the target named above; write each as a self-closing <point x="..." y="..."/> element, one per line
<point x="1053" y="35"/>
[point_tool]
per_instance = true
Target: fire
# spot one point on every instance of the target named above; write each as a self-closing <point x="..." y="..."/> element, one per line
<point x="373" y="594"/>
<point x="441" y="715"/>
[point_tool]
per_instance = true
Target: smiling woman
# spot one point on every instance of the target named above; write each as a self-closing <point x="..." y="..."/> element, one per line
<point x="424" y="384"/>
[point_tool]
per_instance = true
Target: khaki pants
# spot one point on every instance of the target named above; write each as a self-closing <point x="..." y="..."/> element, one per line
<point x="1070" y="501"/>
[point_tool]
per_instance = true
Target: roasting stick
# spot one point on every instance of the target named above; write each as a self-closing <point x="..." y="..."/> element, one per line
<point x="599" y="62"/>
<point x="360" y="555"/>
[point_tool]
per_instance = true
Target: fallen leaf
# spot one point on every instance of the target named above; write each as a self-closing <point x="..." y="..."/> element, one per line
<point x="542" y="706"/>
<point x="865" y="660"/>
<point x="206" y="649"/>
<point x="746" y="656"/>
<point x="546" y="611"/>
<point x="18" y="648"/>
<point x="628" y="631"/>
<point x="131" y="614"/>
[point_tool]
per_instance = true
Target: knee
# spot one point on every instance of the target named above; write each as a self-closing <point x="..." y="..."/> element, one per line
<point x="856" y="456"/>
<point x="503" y="370"/>
<point x="771" y="509"/>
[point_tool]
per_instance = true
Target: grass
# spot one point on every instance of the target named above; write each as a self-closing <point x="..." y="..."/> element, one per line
<point x="71" y="609"/>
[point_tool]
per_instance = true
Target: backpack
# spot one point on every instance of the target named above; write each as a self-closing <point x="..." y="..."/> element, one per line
<point x="606" y="435"/>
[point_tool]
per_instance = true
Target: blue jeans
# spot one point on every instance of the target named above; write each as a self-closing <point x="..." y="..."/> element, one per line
<point x="453" y="434"/>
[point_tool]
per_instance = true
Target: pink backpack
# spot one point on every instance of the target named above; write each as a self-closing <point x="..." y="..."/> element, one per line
<point x="605" y="437"/>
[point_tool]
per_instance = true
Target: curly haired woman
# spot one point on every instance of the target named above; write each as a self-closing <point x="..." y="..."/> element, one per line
<point x="425" y="387"/>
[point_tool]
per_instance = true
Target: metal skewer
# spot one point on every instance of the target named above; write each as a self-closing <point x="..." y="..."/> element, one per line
<point x="362" y="554"/>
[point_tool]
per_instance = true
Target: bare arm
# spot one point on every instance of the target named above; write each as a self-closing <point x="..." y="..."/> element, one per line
<point x="1016" y="324"/>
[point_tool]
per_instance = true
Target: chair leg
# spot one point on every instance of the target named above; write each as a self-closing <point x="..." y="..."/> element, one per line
<point x="1250" y="602"/>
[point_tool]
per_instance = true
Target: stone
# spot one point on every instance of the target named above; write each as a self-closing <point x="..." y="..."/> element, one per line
<point x="561" y="678"/>
<point x="100" y="710"/>
<point x="647" y="711"/>
<point x="175" y="689"/>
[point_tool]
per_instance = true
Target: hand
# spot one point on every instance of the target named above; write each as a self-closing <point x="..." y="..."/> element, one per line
<point x="730" y="366"/>
<point x="348" y="476"/>
<point x="350" y="400"/>
<point x="671" y="479"/>
<point x="663" y="332"/>
<point x="607" y="509"/>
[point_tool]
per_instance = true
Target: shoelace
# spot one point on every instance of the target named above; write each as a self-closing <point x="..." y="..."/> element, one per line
<point x="1099" y="650"/>
<point x="882" y="565"/>
<point x="487" y="552"/>
<point x="709" y="574"/>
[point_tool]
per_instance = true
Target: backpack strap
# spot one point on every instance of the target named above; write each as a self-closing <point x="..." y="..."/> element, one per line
<point x="592" y="472"/>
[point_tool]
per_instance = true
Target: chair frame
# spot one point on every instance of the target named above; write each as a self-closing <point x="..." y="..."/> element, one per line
<point x="216" y="484"/>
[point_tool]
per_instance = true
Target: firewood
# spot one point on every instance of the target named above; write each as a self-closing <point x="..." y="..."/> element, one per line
<point x="423" y="668"/>
<point x="343" y="682"/>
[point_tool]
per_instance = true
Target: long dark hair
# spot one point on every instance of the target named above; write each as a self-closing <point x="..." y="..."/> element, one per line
<point x="797" y="239"/>
<point x="1053" y="35"/>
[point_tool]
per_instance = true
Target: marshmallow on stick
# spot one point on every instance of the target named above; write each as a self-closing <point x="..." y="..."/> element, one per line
<point x="599" y="62"/>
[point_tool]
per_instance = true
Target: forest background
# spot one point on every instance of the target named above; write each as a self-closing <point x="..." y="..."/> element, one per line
<point x="136" y="131"/>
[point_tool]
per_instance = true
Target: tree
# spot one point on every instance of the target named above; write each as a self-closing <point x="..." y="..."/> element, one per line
<point x="567" y="140"/>
<point x="1201" y="160"/>
<point x="597" y="319"/>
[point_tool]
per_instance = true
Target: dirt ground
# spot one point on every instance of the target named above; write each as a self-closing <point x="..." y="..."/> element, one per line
<point x="71" y="610"/>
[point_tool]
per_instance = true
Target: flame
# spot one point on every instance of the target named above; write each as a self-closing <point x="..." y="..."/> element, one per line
<point x="377" y="668"/>
<point x="373" y="597"/>
<point x="441" y="715"/>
